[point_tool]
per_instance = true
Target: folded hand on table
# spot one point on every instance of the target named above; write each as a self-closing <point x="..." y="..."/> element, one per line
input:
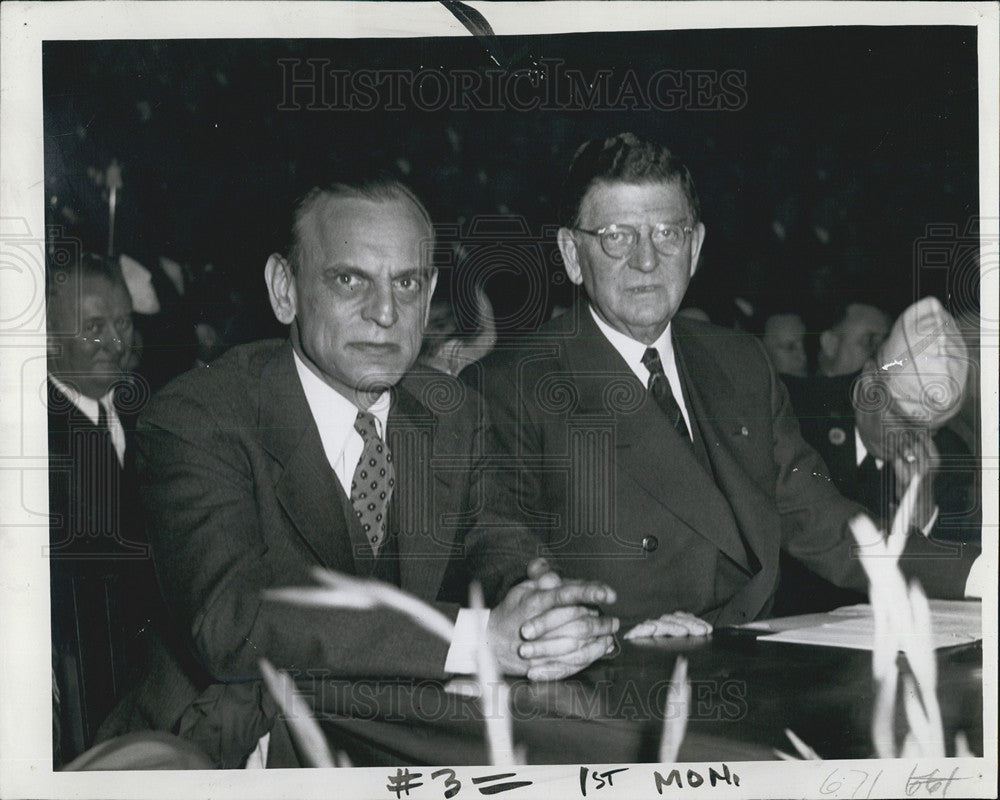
<point x="546" y="628"/>
<point x="677" y="623"/>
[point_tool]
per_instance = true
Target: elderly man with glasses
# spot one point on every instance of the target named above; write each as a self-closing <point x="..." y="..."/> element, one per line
<point x="655" y="453"/>
<point x="100" y="570"/>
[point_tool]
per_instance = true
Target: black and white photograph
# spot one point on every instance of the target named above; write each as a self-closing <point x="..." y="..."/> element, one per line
<point x="445" y="399"/>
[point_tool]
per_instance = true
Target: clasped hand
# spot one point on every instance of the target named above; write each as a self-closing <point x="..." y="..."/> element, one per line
<point x="546" y="628"/>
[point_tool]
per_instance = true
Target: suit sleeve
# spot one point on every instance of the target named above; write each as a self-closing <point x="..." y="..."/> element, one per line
<point x="815" y="516"/>
<point x="202" y="492"/>
<point x="504" y="539"/>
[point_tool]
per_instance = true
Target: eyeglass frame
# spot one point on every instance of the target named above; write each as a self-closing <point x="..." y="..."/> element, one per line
<point x="686" y="230"/>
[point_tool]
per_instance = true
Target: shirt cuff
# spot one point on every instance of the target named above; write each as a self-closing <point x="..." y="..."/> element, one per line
<point x="975" y="584"/>
<point x="470" y="627"/>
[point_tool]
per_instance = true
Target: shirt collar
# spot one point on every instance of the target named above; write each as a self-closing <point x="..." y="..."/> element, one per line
<point x="860" y="451"/>
<point x="334" y="413"/>
<point x="86" y="405"/>
<point x="632" y="350"/>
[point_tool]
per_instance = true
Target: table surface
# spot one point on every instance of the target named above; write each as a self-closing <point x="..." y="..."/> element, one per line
<point x="745" y="693"/>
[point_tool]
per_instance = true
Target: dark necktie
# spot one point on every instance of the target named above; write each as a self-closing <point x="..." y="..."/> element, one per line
<point x="871" y="481"/>
<point x="659" y="388"/>
<point x="97" y="481"/>
<point x="374" y="478"/>
<point x="104" y="431"/>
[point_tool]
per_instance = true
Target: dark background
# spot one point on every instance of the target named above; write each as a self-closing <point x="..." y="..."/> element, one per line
<point x="851" y="142"/>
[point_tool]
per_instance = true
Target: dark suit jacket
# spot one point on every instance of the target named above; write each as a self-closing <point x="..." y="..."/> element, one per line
<point x="99" y="565"/>
<point x="239" y="498"/>
<point x="587" y="459"/>
<point x="95" y="511"/>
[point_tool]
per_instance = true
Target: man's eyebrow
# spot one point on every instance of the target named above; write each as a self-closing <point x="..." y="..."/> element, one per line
<point x="339" y="269"/>
<point x="411" y="272"/>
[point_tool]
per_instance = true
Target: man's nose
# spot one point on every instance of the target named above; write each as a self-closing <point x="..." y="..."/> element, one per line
<point x="645" y="257"/>
<point x="381" y="307"/>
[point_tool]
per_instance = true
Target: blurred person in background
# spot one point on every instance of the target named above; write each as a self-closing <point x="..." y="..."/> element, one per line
<point x="100" y="572"/>
<point x="857" y="330"/>
<point x="879" y="426"/>
<point x="785" y="341"/>
<point x="445" y="348"/>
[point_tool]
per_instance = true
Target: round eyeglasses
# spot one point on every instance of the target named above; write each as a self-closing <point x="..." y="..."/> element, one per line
<point x="619" y="241"/>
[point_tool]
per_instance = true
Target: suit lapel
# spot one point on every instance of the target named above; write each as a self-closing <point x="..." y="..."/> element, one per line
<point x="646" y="447"/>
<point x="307" y="487"/>
<point x="724" y="423"/>
<point x="415" y="511"/>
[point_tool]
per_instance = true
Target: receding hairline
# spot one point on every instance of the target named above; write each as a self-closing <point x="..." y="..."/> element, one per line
<point x="378" y="193"/>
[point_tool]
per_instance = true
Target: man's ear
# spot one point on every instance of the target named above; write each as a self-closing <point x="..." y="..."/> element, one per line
<point x="280" y="288"/>
<point x="432" y="279"/>
<point x="697" y="240"/>
<point x="570" y="255"/>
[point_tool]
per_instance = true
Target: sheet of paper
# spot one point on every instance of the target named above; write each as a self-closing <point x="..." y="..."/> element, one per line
<point x="953" y="622"/>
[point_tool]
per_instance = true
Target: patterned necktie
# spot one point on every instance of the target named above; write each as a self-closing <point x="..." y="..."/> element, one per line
<point x="659" y="387"/>
<point x="374" y="477"/>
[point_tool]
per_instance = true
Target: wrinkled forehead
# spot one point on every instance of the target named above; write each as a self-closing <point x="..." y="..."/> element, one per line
<point x="619" y="199"/>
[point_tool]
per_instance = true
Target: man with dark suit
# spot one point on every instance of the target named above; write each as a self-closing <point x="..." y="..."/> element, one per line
<point x="98" y="561"/>
<point x="657" y="453"/>
<point x="327" y="450"/>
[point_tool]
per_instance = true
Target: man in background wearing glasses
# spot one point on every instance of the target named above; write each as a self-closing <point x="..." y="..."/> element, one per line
<point x="655" y="453"/>
<point x="100" y="567"/>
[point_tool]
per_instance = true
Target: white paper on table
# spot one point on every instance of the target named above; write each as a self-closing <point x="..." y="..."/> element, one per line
<point x="954" y="622"/>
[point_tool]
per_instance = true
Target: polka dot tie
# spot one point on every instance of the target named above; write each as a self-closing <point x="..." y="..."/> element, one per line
<point x="374" y="478"/>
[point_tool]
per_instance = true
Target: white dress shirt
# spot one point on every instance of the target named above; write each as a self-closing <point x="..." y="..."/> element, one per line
<point x="89" y="408"/>
<point x="335" y="416"/>
<point x="632" y="351"/>
<point x="860" y="452"/>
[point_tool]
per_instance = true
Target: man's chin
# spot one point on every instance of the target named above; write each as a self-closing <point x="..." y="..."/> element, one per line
<point x="379" y="377"/>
